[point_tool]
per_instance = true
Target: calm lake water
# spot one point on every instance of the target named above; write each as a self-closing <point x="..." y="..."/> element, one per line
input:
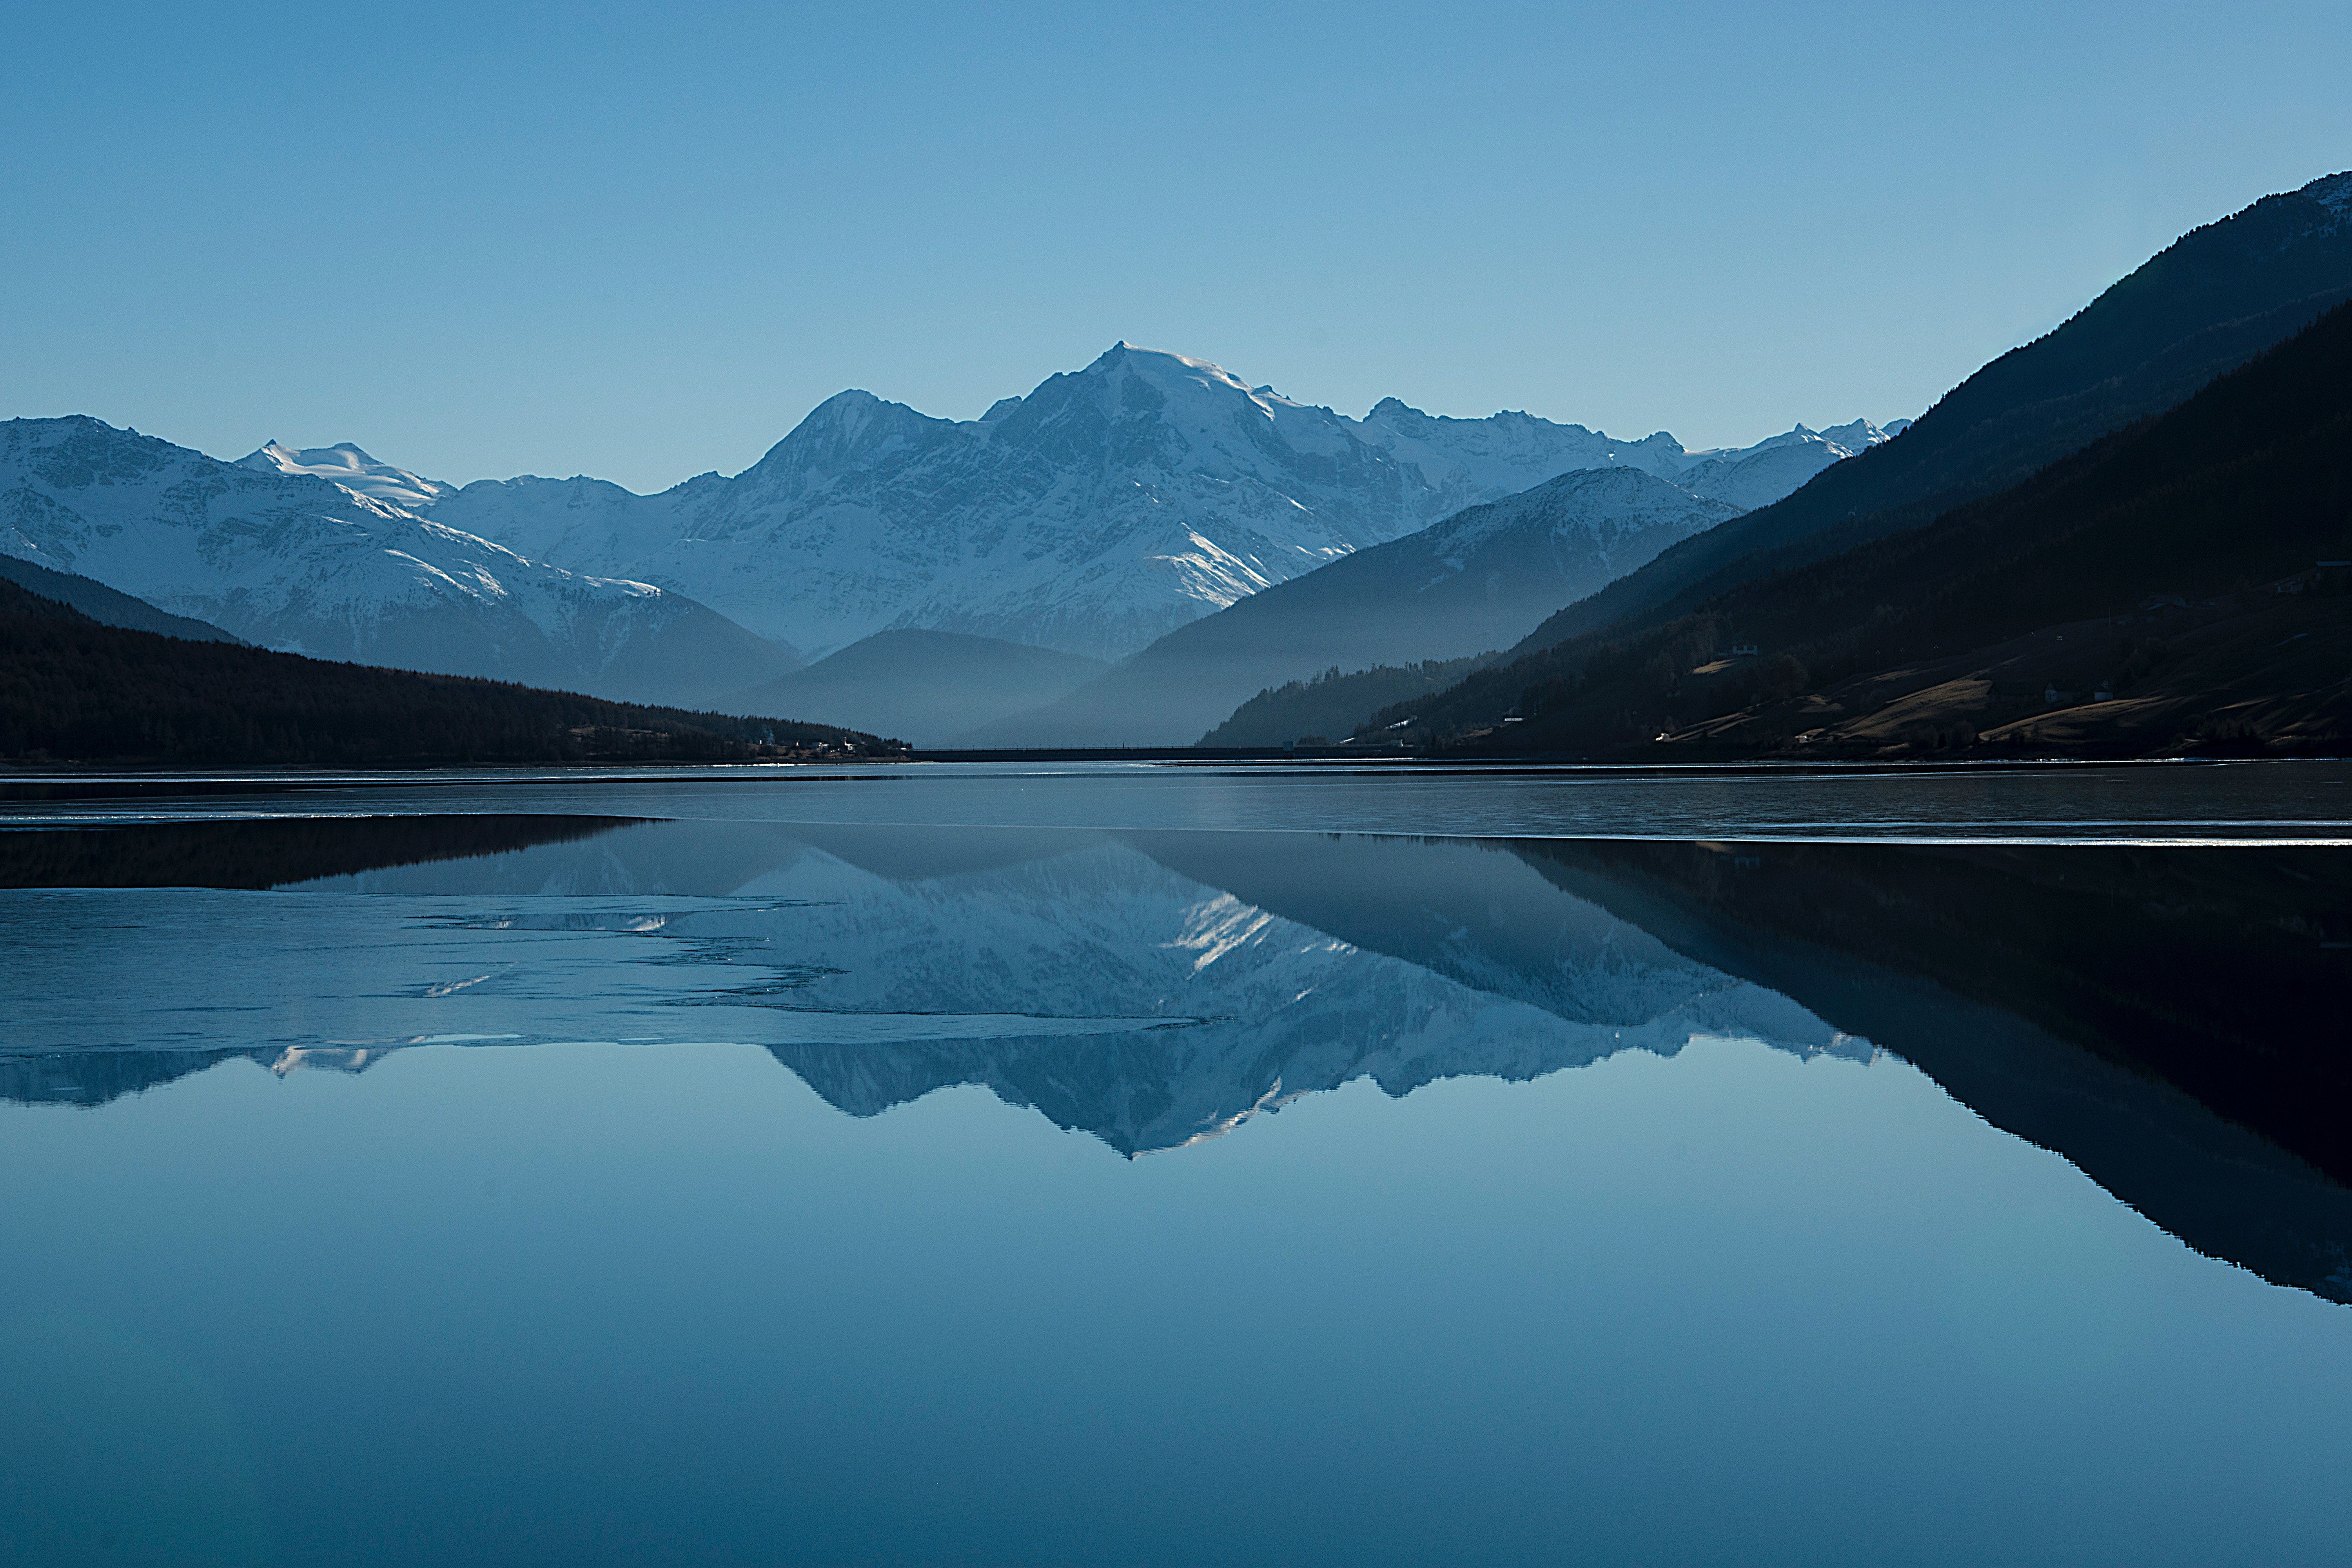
<point x="1133" y="1164"/>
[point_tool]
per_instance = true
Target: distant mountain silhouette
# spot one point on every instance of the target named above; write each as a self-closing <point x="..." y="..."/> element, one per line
<point x="920" y="686"/>
<point x="105" y="605"/>
<point x="289" y="559"/>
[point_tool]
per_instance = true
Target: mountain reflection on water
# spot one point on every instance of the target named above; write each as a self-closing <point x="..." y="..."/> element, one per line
<point x="2169" y="1020"/>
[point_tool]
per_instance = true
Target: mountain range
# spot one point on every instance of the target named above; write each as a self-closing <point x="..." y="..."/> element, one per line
<point x="297" y="562"/>
<point x="1105" y="509"/>
<point x="1216" y="542"/>
<point x="926" y="688"/>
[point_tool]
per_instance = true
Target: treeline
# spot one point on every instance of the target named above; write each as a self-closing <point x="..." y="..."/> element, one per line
<point x="72" y="690"/>
<point x="1332" y="703"/>
<point x="2247" y="485"/>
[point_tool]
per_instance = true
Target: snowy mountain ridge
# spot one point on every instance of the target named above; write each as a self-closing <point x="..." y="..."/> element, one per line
<point x="289" y="559"/>
<point x="1104" y="509"/>
<point x="344" y="464"/>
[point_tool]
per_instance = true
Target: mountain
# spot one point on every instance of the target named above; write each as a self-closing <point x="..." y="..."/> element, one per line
<point x="1105" y="509"/>
<point x="1475" y="582"/>
<point x="346" y="465"/>
<point x="1779" y="465"/>
<point x="72" y="690"/>
<point x="104" y="604"/>
<point x="295" y="562"/>
<point x="922" y="686"/>
<point x="2208" y="302"/>
<point x="2179" y="585"/>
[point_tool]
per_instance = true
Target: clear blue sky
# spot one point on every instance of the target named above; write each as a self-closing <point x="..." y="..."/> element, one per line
<point x="642" y="242"/>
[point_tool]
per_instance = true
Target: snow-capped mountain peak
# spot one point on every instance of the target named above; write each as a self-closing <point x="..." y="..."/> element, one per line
<point x="1108" y="506"/>
<point x="288" y="558"/>
<point x="346" y="465"/>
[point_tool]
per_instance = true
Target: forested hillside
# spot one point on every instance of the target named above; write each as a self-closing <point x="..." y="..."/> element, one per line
<point x="1328" y="707"/>
<point x="72" y="690"/>
<point x="2206" y="303"/>
<point x="106" y="606"/>
<point x="2178" y="586"/>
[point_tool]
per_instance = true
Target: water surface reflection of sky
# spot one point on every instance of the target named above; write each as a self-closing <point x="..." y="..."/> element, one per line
<point x="1234" y="1197"/>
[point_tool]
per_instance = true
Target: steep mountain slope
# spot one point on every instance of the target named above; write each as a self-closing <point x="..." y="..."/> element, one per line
<point x="294" y="561"/>
<point x="2210" y="301"/>
<point x="72" y="690"/>
<point x="2170" y="587"/>
<point x="1105" y="509"/>
<point x="106" y="606"/>
<point x="1472" y="582"/>
<point x="920" y="686"/>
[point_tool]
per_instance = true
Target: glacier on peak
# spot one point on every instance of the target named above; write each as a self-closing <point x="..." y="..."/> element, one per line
<point x="1106" y="507"/>
<point x="346" y="465"/>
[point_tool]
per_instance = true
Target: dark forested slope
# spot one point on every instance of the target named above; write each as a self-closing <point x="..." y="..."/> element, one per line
<point x="109" y="606"/>
<point x="2177" y="567"/>
<point x="2210" y="301"/>
<point x="71" y="689"/>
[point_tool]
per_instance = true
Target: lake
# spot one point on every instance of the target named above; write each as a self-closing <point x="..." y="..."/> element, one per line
<point x="1120" y="1163"/>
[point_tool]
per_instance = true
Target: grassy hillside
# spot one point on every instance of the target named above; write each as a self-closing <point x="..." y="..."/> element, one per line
<point x="73" y="689"/>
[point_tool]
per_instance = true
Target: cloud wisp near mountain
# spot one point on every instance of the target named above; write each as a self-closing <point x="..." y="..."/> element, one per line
<point x="292" y="560"/>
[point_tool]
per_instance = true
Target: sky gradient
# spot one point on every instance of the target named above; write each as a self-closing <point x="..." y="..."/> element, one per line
<point x="482" y="240"/>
